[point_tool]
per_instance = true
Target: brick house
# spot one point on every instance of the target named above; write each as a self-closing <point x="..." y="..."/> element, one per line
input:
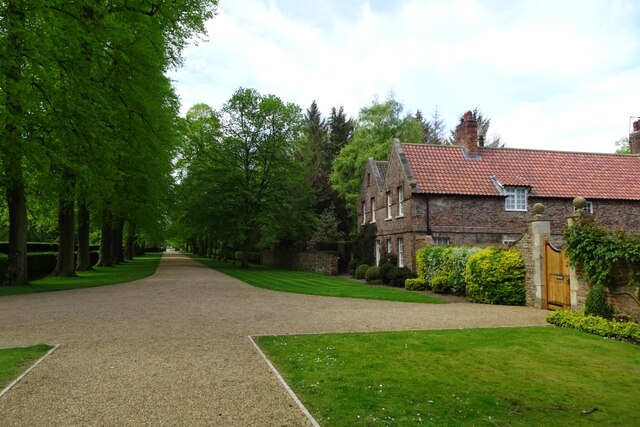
<point x="471" y="194"/>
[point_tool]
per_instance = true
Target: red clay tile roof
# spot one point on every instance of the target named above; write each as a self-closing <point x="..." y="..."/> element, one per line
<point x="445" y="170"/>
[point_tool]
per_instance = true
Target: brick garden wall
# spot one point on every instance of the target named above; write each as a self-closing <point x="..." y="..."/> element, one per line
<point x="525" y="246"/>
<point x="319" y="262"/>
<point x="622" y="301"/>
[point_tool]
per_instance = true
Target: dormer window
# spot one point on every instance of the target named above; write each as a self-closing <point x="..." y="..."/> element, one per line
<point x="516" y="199"/>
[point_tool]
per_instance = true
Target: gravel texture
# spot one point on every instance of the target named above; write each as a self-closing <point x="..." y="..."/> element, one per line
<point x="173" y="349"/>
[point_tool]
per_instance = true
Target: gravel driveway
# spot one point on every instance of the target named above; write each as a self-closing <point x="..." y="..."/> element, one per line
<point x="172" y="349"/>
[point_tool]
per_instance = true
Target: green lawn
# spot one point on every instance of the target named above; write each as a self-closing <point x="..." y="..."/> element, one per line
<point x="301" y="282"/>
<point x="14" y="361"/>
<point x="478" y="377"/>
<point x="128" y="271"/>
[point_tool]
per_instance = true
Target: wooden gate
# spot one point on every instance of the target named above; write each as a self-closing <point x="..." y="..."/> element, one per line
<point x="556" y="268"/>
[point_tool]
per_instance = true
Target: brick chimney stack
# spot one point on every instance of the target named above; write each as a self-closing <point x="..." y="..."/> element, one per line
<point x="634" y="138"/>
<point x="467" y="134"/>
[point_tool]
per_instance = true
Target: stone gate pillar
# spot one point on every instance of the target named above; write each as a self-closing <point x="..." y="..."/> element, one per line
<point x="578" y="288"/>
<point x="539" y="230"/>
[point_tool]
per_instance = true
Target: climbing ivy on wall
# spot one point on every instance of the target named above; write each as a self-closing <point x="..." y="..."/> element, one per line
<point x="603" y="257"/>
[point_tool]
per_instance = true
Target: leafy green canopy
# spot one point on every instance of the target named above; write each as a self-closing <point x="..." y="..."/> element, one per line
<point x="241" y="181"/>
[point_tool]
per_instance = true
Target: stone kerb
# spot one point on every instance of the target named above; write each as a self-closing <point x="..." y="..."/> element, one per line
<point x="531" y="246"/>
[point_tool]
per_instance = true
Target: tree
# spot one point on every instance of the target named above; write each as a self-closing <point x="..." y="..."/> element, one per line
<point x="80" y="85"/>
<point x="246" y="186"/>
<point x="375" y="129"/>
<point x="622" y="145"/>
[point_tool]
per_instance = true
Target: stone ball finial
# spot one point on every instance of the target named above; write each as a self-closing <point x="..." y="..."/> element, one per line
<point x="538" y="208"/>
<point x="579" y="203"/>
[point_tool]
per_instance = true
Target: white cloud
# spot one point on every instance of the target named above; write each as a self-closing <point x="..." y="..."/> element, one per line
<point x="554" y="62"/>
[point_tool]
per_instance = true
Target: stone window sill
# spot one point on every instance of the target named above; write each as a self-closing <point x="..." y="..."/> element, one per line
<point x="400" y="216"/>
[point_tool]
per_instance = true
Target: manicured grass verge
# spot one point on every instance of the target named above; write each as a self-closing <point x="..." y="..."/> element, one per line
<point x="301" y="282"/>
<point x="502" y="377"/>
<point x="130" y="270"/>
<point x="13" y="361"/>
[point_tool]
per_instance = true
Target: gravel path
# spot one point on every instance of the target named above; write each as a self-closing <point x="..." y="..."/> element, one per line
<point x="172" y="349"/>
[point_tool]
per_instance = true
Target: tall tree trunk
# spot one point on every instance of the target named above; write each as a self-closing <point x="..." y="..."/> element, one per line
<point x="65" y="265"/>
<point x="106" y="243"/>
<point x="118" y="254"/>
<point x="17" y="203"/>
<point x="131" y="240"/>
<point x="246" y="247"/>
<point x="84" y="253"/>
<point x="12" y="142"/>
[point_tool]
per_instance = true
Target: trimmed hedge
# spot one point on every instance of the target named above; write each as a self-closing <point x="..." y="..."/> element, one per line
<point x="361" y="271"/>
<point x="496" y="277"/>
<point x="39" y="264"/>
<point x="417" y="284"/>
<point x="33" y="247"/>
<point x="372" y="274"/>
<point x="596" y="325"/>
<point x="443" y="267"/>
<point x="459" y="258"/>
<point x="430" y="261"/>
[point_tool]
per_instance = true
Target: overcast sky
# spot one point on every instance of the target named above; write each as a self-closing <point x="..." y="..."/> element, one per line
<point x="559" y="74"/>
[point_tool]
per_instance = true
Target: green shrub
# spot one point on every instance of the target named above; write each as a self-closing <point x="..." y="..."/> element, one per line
<point x="596" y="303"/>
<point x="416" y="284"/>
<point x="431" y="262"/>
<point x="361" y="270"/>
<point x="496" y="277"/>
<point x="388" y="264"/>
<point x="399" y="275"/>
<point x="372" y="274"/>
<point x="596" y="325"/>
<point x="603" y="257"/>
<point x="443" y="267"/>
<point x="441" y="283"/>
<point x="459" y="258"/>
<point x="41" y="264"/>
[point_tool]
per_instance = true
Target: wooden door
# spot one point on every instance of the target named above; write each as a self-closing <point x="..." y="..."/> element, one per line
<point x="558" y="295"/>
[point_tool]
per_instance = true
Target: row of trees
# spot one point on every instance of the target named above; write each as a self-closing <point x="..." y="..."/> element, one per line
<point x="260" y="173"/>
<point x="88" y="120"/>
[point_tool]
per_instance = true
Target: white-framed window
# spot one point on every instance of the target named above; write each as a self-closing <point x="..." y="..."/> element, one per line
<point x="441" y="241"/>
<point x="400" y="252"/>
<point x="400" y="201"/>
<point x="516" y="199"/>
<point x="377" y="252"/>
<point x="373" y="209"/>
<point x="508" y="241"/>
<point x="389" y="246"/>
<point x="389" y="201"/>
<point x="588" y="208"/>
<point x="364" y="213"/>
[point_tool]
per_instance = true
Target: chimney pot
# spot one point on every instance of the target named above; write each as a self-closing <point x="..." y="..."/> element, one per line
<point x="634" y="138"/>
